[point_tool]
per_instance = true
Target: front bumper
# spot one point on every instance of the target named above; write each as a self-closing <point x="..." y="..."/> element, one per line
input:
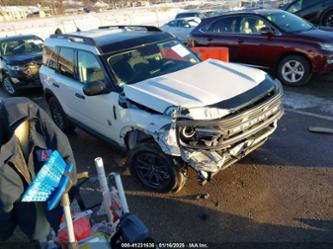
<point x="233" y="137"/>
<point x="21" y="80"/>
<point x="323" y="63"/>
<point x="328" y="66"/>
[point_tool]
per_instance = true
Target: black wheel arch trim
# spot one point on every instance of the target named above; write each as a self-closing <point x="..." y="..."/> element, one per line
<point x="49" y="94"/>
<point x="52" y="95"/>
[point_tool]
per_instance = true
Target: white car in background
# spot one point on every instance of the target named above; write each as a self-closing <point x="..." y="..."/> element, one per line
<point x="197" y="13"/>
<point x="182" y="27"/>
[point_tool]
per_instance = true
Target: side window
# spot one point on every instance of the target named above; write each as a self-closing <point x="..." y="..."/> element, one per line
<point x="251" y="25"/>
<point x="172" y="24"/>
<point x="50" y="57"/>
<point x="224" y="25"/>
<point x="89" y="69"/>
<point x="181" y="23"/>
<point x="66" y="62"/>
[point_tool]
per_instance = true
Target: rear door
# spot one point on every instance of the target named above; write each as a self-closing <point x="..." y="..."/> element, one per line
<point x="48" y="72"/>
<point x="223" y="33"/>
<point x="64" y="80"/>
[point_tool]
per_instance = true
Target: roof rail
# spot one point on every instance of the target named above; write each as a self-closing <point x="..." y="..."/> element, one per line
<point x="75" y="38"/>
<point x="148" y="28"/>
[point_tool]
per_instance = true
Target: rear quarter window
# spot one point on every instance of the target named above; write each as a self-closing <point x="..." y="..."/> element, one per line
<point x="50" y="57"/>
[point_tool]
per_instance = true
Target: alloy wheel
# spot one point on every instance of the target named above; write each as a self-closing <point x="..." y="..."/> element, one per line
<point x="329" y="20"/>
<point x="152" y="170"/>
<point x="293" y="71"/>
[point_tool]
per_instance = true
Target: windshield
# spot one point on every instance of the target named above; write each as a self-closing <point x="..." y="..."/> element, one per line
<point x="21" y="46"/>
<point x="150" y="61"/>
<point x="289" y="22"/>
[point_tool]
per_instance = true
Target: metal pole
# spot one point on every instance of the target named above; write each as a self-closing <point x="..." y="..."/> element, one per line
<point x="72" y="244"/>
<point x="121" y="192"/>
<point x="104" y="186"/>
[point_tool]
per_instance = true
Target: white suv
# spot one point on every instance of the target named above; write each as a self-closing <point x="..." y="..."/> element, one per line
<point x="143" y="90"/>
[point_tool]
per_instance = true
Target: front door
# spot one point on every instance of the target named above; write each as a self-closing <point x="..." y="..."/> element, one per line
<point x="95" y="112"/>
<point x="254" y="46"/>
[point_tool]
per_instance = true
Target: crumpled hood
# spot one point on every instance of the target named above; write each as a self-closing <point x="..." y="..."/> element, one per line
<point x="204" y="84"/>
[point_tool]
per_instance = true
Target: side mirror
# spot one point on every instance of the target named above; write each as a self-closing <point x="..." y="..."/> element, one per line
<point x="187" y="26"/>
<point x="266" y="31"/>
<point x="94" y="88"/>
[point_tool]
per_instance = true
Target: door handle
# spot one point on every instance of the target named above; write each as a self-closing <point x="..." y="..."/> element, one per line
<point x="114" y="113"/>
<point x="240" y="40"/>
<point x="80" y="96"/>
<point x="56" y="85"/>
<point x="209" y="39"/>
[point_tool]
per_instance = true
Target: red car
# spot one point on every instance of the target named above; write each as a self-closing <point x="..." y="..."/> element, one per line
<point x="274" y="40"/>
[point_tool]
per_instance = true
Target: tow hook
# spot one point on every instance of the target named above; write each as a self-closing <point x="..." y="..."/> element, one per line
<point x="204" y="177"/>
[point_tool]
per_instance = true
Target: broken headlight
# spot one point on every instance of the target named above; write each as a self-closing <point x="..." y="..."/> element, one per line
<point x="187" y="133"/>
<point x="200" y="135"/>
<point x="15" y="68"/>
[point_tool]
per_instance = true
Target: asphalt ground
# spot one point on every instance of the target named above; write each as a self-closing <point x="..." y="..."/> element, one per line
<point x="282" y="193"/>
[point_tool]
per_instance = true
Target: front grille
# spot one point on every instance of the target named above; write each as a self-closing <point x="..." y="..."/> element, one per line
<point x="236" y="128"/>
<point x="231" y="130"/>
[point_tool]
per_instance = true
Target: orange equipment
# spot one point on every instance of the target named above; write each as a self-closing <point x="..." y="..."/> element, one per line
<point x="219" y="53"/>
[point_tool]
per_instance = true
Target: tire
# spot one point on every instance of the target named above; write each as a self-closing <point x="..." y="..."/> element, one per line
<point x="328" y="19"/>
<point x="294" y="70"/>
<point x="59" y="117"/>
<point x="8" y="86"/>
<point x="155" y="170"/>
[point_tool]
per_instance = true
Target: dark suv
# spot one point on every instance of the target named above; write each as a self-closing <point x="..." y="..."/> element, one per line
<point x="319" y="12"/>
<point x="20" y="60"/>
<point x="274" y="40"/>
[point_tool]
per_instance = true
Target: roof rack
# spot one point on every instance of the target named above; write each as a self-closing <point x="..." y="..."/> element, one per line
<point x="133" y="27"/>
<point x="75" y="38"/>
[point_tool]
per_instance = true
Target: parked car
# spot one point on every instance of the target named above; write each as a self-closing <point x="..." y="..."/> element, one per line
<point x="146" y="92"/>
<point x="181" y="27"/>
<point x="275" y="40"/>
<point x="319" y="12"/>
<point x="197" y="13"/>
<point x="20" y="60"/>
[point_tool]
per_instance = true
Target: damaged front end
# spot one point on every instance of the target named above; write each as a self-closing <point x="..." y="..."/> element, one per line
<point x="212" y="145"/>
<point x="208" y="126"/>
